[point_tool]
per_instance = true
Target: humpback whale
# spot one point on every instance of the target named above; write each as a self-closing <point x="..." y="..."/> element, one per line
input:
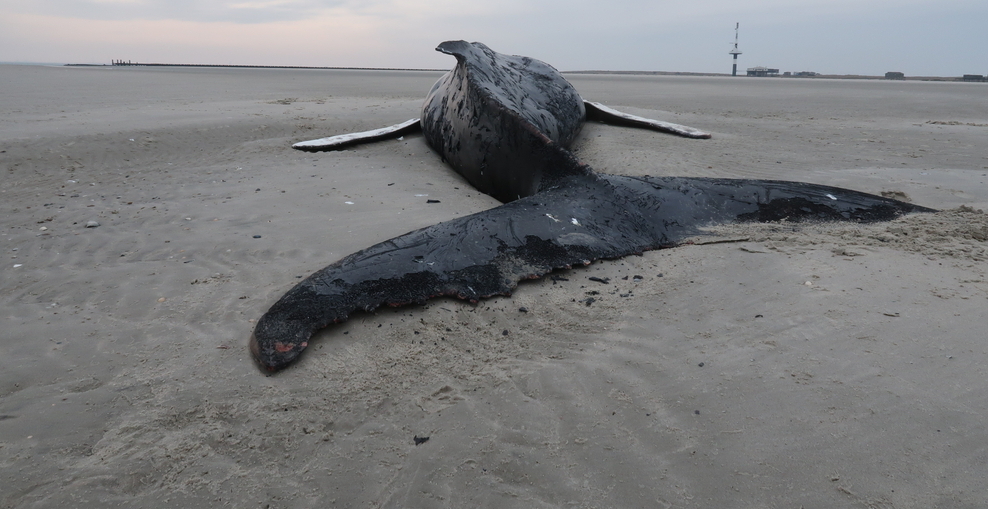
<point x="505" y="124"/>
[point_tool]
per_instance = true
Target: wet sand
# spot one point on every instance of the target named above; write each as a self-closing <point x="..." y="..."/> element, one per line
<point x="763" y="366"/>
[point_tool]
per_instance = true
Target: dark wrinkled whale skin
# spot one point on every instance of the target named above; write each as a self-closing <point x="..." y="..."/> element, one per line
<point x="491" y="117"/>
<point x="504" y="123"/>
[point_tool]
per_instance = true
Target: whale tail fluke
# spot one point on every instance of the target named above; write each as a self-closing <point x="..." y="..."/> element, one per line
<point x="581" y="219"/>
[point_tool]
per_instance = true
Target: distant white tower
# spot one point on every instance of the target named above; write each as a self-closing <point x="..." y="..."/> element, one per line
<point x="735" y="51"/>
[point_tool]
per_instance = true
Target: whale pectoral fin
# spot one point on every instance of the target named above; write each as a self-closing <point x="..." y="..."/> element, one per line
<point x="607" y="115"/>
<point x="342" y="141"/>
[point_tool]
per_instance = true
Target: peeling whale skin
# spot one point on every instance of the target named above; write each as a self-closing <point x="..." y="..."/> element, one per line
<point x="505" y="123"/>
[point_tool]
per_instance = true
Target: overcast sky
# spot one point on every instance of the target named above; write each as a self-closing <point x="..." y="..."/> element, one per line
<point x="917" y="37"/>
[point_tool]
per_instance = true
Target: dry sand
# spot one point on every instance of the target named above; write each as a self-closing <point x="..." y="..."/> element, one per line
<point x="816" y="366"/>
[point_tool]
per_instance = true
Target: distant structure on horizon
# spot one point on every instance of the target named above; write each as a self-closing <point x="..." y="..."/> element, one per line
<point x="735" y="51"/>
<point x="762" y="72"/>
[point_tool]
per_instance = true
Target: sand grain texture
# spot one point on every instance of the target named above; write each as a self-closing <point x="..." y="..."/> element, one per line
<point x="783" y="366"/>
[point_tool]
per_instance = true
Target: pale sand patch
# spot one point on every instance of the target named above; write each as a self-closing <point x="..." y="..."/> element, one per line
<point x="125" y="378"/>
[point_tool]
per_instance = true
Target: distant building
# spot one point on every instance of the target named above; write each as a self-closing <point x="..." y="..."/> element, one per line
<point x="806" y="73"/>
<point x="895" y="76"/>
<point x="762" y="72"/>
<point x="973" y="77"/>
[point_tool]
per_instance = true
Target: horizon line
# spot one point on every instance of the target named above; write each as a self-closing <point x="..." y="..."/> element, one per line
<point x="121" y="63"/>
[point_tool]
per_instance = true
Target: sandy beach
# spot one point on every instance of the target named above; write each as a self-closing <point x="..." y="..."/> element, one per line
<point x="763" y="366"/>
